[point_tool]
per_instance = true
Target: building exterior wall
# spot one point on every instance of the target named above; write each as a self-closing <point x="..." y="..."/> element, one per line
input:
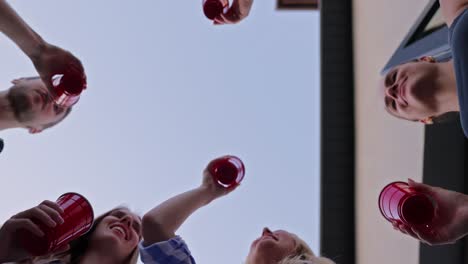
<point x="387" y="149"/>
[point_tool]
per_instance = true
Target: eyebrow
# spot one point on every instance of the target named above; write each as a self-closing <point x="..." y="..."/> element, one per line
<point x="388" y="76"/>
<point x="386" y="101"/>
<point x="31" y="78"/>
<point x="59" y="110"/>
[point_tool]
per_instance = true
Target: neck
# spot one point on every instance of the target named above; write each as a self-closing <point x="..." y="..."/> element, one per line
<point x="254" y="260"/>
<point x="447" y="95"/>
<point x="94" y="257"/>
<point x="7" y="118"/>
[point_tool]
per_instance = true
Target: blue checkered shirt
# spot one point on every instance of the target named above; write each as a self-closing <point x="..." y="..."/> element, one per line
<point x="172" y="251"/>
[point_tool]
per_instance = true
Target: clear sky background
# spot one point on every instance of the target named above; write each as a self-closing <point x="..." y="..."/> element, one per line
<point x="168" y="92"/>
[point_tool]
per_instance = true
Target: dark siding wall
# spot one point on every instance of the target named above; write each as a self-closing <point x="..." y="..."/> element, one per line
<point x="337" y="154"/>
<point x="445" y="166"/>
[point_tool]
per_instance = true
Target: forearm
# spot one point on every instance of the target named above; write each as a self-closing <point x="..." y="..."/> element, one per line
<point x="162" y="222"/>
<point x="15" y="28"/>
<point x="462" y="215"/>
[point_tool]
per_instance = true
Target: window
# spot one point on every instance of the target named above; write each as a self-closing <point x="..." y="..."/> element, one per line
<point x="427" y="37"/>
<point x="298" y="4"/>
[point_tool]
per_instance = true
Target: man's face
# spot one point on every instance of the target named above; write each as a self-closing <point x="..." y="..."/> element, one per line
<point x="409" y="90"/>
<point x="32" y="106"/>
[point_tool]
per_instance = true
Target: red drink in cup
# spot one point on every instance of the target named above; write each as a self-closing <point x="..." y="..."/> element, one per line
<point x="214" y="8"/>
<point x="399" y="202"/>
<point x="68" y="86"/>
<point x="78" y="219"/>
<point x="227" y="171"/>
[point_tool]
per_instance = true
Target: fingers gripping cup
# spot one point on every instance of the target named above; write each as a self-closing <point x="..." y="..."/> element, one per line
<point x="78" y="219"/>
<point x="68" y="86"/>
<point x="214" y="8"/>
<point x="399" y="202"/>
<point x="227" y="171"/>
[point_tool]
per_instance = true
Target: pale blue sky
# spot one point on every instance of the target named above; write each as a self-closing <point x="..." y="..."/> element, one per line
<point x="167" y="92"/>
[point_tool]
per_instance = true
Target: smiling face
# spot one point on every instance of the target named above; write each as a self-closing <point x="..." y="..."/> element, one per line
<point x="409" y="91"/>
<point x="119" y="232"/>
<point x="272" y="246"/>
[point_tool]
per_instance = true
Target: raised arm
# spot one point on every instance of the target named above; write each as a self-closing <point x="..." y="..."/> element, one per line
<point x="161" y="222"/>
<point x="47" y="59"/>
<point x="15" y="28"/>
<point x="452" y="8"/>
<point x="239" y="10"/>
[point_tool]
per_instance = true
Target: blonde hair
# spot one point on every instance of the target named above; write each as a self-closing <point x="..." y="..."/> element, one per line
<point x="305" y="259"/>
<point x="303" y="255"/>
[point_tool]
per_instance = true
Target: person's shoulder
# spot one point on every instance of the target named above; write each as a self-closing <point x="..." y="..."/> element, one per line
<point x="458" y="28"/>
<point x="172" y="251"/>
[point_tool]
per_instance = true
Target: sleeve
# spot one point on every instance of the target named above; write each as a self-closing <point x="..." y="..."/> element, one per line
<point x="458" y="39"/>
<point x="172" y="251"/>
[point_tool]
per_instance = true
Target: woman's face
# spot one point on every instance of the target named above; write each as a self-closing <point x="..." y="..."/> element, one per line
<point x="409" y="90"/>
<point x="120" y="232"/>
<point x="272" y="246"/>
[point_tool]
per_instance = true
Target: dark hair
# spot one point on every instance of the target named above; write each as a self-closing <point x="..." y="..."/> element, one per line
<point x="448" y="117"/>
<point x="49" y="125"/>
<point x="79" y="246"/>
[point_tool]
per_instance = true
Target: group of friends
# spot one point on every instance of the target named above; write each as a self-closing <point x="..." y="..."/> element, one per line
<point x="119" y="235"/>
<point x="423" y="90"/>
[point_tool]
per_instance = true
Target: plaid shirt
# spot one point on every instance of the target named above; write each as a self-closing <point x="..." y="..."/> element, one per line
<point x="173" y="251"/>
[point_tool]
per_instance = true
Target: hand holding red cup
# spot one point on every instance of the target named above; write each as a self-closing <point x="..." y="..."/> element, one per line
<point x="78" y="217"/>
<point x="62" y="73"/>
<point x="227" y="171"/>
<point x="214" y="8"/>
<point x="68" y="86"/>
<point x="399" y="203"/>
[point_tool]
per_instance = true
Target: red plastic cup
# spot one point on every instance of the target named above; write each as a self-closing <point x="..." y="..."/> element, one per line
<point x="68" y="86"/>
<point x="399" y="202"/>
<point x="214" y="8"/>
<point x="228" y="171"/>
<point x="78" y="219"/>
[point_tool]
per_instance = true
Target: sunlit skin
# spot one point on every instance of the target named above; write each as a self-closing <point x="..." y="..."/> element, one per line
<point x="119" y="233"/>
<point x="272" y="246"/>
<point x="419" y="90"/>
<point x="27" y="104"/>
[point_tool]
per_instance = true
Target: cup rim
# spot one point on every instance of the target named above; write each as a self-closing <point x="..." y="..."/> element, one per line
<point x="380" y="195"/>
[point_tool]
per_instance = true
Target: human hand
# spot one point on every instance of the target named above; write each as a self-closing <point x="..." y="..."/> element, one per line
<point x="50" y="60"/>
<point x="450" y="220"/>
<point x="46" y="213"/>
<point x="214" y="189"/>
<point x="239" y="10"/>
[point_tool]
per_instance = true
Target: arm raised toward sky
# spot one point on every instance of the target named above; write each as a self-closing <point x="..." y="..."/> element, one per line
<point x="161" y="222"/>
<point x="47" y="59"/>
<point x="15" y="28"/>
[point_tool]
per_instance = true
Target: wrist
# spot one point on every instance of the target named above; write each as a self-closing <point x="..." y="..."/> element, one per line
<point x="206" y="194"/>
<point x="462" y="211"/>
<point x="37" y="49"/>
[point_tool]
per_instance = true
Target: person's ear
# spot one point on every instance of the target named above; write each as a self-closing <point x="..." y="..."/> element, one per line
<point x="427" y="121"/>
<point x="427" y="59"/>
<point x="34" y="130"/>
